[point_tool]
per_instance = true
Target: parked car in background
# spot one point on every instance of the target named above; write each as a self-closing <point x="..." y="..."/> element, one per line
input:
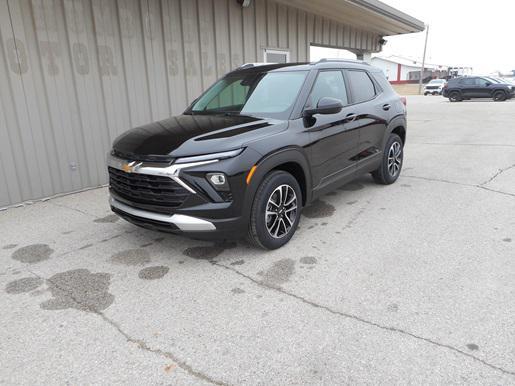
<point x="464" y="88"/>
<point x="434" y="87"/>
<point x="256" y="147"/>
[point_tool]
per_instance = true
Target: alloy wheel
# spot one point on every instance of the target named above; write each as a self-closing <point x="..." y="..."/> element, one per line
<point x="394" y="159"/>
<point x="281" y="211"/>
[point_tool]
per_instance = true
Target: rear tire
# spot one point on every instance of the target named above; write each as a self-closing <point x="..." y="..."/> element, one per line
<point x="499" y="96"/>
<point x="391" y="165"/>
<point x="276" y="210"/>
<point x="455" y="96"/>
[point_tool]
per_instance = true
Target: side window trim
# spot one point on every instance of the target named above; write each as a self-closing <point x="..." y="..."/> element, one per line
<point x="376" y="93"/>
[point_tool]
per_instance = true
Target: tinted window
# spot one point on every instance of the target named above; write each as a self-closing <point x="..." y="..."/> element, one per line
<point x="483" y="82"/>
<point x="361" y="86"/>
<point x="260" y="94"/>
<point x="328" y="84"/>
<point x="381" y="79"/>
<point x="468" y="81"/>
<point x="275" y="93"/>
<point x="233" y="94"/>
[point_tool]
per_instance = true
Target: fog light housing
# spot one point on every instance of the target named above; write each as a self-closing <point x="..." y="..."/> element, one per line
<point x="218" y="181"/>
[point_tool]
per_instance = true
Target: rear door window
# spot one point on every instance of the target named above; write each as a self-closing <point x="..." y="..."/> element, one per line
<point x="361" y="86"/>
<point x="468" y="81"/>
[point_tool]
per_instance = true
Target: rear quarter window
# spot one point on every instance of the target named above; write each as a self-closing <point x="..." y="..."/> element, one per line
<point x="361" y="86"/>
<point x="382" y="81"/>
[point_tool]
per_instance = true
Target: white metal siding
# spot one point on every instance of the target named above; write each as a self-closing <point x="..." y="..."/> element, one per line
<point x="74" y="74"/>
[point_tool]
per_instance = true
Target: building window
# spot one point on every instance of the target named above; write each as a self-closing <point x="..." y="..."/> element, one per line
<point x="277" y="56"/>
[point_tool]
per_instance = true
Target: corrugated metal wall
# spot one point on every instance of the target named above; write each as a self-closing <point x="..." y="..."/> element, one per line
<point x="76" y="73"/>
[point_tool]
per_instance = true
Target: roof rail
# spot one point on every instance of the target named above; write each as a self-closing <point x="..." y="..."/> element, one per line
<point x="325" y="60"/>
<point x="250" y="65"/>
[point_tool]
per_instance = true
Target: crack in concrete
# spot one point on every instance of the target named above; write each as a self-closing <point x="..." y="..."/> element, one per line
<point x="363" y="320"/>
<point x="499" y="172"/>
<point x="74" y="209"/>
<point x="497" y="191"/>
<point x="461" y="184"/>
<point x="440" y="180"/>
<point x="139" y="342"/>
<point x="144" y="346"/>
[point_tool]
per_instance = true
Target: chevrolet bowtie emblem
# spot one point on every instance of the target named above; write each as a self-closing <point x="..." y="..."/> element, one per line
<point x="130" y="167"/>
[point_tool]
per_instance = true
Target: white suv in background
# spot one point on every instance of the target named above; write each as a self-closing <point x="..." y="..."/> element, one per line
<point x="435" y="87"/>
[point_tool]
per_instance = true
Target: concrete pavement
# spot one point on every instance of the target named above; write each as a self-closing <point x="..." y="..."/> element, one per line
<point x="409" y="283"/>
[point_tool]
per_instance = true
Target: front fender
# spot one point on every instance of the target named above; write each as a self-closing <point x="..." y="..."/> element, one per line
<point x="274" y="160"/>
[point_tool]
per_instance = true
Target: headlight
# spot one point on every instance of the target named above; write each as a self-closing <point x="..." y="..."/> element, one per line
<point x="209" y="157"/>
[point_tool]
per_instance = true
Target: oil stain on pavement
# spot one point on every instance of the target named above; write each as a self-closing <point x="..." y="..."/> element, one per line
<point x="279" y="273"/>
<point x="79" y="289"/>
<point x="23" y="285"/>
<point x="153" y="273"/>
<point x="33" y="253"/>
<point x="107" y="219"/>
<point x="10" y="246"/>
<point x="131" y="257"/>
<point x="352" y="187"/>
<point x="472" y="347"/>
<point x="208" y="252"/>
<point x="319" y="209"/>
<point x="308" y="260"/>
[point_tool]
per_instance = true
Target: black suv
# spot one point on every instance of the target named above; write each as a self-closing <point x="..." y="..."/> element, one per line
<point x="256" y="147"/>
<point x="459" y="89"/>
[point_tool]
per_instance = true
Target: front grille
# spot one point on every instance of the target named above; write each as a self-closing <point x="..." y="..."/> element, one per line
<point x="431" y="87"/>
<point x="141" y="221"/>
<point x="147" y="189"/>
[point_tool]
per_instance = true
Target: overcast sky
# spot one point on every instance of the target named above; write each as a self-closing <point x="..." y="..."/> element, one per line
<point x="479" y="34"/>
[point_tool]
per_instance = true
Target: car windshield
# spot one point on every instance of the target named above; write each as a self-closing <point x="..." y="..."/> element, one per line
<point x="437" y="81"/>
<point x="269" y="95"/>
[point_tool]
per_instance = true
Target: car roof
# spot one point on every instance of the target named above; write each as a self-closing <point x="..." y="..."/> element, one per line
<point x="304" y="66"/>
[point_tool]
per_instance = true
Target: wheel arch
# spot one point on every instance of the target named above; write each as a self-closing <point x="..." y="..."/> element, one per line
<point x="292" y="160"/>
<point x="397" y="125"/>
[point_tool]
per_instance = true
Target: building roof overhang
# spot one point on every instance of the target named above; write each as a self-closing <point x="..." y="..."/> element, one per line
<point x="368" y="15"/>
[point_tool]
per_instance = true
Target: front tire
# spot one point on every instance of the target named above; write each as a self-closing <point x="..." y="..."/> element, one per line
<point x="391" y="165"/>
<point x="275" y="211"/>
<point x="499" y="96"/>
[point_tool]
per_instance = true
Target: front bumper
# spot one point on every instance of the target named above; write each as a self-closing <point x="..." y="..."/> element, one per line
<point x="176" y="221"/>
<point x="201" y="213"/>
<point x="433" y="90"/>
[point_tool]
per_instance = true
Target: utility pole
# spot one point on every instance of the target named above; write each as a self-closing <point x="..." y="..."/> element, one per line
<point x="423" y="62"/>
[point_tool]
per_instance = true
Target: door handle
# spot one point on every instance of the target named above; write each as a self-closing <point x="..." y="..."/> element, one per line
<point x="386" y="107"/>
<point x="351" y="117"/>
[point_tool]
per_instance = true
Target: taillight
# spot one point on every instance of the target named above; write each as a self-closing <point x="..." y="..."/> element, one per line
<point x="404" y="101"/>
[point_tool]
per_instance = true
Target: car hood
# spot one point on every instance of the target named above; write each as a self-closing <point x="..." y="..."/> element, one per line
<point x="187" y="135"/>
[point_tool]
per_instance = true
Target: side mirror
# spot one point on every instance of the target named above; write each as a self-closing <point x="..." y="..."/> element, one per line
<point x="487" y="84"/>
<point x="326" y="106"/>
